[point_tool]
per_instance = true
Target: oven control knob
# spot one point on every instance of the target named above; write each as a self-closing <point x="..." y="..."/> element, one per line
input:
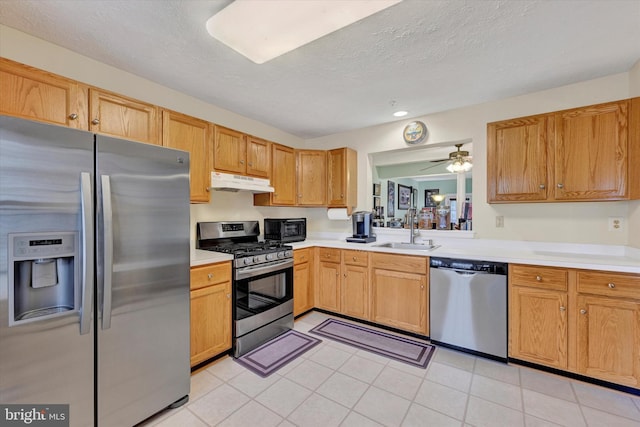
<point x="271" y="256"/>
<point x="281" y="254"/>
<point x="256" y="259"/>
<point x="247" y="261"/>
<point x="288" y="254"/>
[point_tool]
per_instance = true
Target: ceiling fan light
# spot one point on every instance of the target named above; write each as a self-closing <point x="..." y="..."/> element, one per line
<point x="459" y="165"/>
<point x="261" y="31"/>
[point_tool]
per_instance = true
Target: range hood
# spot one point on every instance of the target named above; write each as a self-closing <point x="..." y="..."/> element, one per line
<point x="229" y="182"/>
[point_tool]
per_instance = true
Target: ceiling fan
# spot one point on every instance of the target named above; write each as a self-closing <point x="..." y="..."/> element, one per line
<point x="460" y="161"/>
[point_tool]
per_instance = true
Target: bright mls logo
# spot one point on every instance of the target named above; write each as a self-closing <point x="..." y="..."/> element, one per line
<point x="34" y="415"/>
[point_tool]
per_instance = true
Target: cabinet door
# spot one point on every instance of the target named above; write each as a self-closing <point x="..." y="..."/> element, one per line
<point x="302" y="297"/>
<point x="517" y="159"/>
<point x="192" y="135"/>
<point x="400" y="300"/>
<point x="210" y="322"/>
<point x="37" y="95"/>
<point x="258" y="157"/>
<point x="538" y="326"/>
<point x="328" y="286"/>
<point x="311" y="174"/>
<point x="121" y="117"/>
<point x="591" y="152"/>
<point x="229" y="151"/>
<point x="609" y="339"/>
<point x="355" y="291"/>
<point x="342" y="178"/>
<point x="283" y="175"/>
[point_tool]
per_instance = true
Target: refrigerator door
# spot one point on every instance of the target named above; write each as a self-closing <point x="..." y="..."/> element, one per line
<point x="143" y="279"/>
<point x="44" y="358"/>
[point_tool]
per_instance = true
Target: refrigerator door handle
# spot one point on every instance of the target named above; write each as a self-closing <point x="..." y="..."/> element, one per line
<point x="108" y="250"/>
<point x="86" y="202"/>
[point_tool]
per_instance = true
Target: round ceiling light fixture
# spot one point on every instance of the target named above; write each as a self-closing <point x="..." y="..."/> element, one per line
<point x="400" y="113"/>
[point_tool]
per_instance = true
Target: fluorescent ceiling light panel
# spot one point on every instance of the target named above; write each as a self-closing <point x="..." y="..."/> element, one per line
<point x="265" y="29"/>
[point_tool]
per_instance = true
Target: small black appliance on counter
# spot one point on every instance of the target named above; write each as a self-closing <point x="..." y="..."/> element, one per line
<point x="362" y="222"/>
<point x="285" y="229"/>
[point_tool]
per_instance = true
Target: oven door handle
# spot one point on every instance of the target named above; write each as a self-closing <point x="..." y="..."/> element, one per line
<point x="248" y="272"/>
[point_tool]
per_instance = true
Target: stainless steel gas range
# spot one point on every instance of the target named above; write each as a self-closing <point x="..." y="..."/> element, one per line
<point x="262" y="281"/>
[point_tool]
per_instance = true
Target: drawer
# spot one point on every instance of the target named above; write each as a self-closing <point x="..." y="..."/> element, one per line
<point x="352" y="257"/>
<point x="300" y="256"/>
<point x="329" y="254"/>
<point x="211" y="274"/>
<point x="609" y="284"/>
<point x="538" y="277"/>
<point x="405" y="263"/>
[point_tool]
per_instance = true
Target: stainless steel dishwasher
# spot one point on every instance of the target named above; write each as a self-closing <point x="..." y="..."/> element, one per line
<point x="468" y="305"/>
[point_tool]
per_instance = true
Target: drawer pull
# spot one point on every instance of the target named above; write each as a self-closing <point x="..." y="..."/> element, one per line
<point x="228" y="296"/>
<point x="542" y="186"/>
<point x="583" y="311"/>
<point x="560" y="185"/>
<point x="611" y="285"/>
<point x="95" y="121"/>
<point x="210" y="276"/>
<point x="539" y="278"/>
<point x="73" y="116"/>
<point x="562" y="308"/>
<point x="355" y="259"/>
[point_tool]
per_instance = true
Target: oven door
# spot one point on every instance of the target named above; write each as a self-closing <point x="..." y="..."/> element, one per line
<point x="263" y="288"/>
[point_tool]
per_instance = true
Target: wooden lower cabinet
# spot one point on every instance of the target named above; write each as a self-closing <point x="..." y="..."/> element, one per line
<point x="400" y="293"/>
<point x="538" y="315"/>
<point x="328" y="286"/>
<point x="538" y="326"/>
<point x="354" y="290"/>
<point x="303" y="299"/>
<point x="210" y="311"/>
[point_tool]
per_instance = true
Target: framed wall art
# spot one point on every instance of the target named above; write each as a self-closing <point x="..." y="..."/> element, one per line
<point x="404" y="196"/>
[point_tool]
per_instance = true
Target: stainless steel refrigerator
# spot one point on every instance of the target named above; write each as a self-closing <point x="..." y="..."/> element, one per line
<point x="94" y="273"/>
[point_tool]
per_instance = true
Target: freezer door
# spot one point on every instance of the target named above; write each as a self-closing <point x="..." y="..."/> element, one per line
<point x="44" y="358"/>
<point x="143" y="280"/>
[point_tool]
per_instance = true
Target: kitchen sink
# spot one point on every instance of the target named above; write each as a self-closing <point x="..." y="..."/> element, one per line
<point x="407" y="246"/>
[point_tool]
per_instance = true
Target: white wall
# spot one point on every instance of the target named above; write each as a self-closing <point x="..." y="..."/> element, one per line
<point x="584" y="222"/>
<point x="567" y="222"/>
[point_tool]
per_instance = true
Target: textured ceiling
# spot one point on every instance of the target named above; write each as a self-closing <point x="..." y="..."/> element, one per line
<point x="427" y="56"/>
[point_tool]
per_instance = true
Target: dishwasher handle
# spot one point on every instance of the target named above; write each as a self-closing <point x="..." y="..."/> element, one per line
<point x="462" y="272"/>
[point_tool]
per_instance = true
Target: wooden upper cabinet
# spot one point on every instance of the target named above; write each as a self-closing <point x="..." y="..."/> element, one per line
<point x="517" y="159"/>
<point x="311" y="173"/>
<point x="192" y="135"/>
<point x="591" y="152"/>
<point x="283" y="178"/>
<point x="229" y="151"/>
<point x="34" y="94"/>
<point x="123" y="117"/>
<point x="258" y="157"/>
<point x="571" y="155"/>
<point x="342" y="180"/>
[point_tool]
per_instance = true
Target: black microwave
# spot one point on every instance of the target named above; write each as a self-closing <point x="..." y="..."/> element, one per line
<point x="285" y="229"/>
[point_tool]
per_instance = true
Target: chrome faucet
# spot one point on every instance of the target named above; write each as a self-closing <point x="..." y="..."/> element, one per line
<point x="412" y="230"/>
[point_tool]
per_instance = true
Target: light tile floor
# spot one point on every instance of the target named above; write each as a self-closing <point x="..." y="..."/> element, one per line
<point x="337" y="385"/>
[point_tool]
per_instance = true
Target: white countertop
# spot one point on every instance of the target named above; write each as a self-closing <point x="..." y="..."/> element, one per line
<point x="590" y="257"/>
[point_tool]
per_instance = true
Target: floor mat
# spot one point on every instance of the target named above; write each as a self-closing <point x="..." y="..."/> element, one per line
<point x="276" y="353"/>
<point x="395" y="347"/>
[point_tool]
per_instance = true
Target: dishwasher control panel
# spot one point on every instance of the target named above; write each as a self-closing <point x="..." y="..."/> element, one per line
<point x="470" y="265"/>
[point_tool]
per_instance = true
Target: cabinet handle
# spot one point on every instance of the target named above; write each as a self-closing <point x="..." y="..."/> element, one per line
<point x="210" y="276"/>
<point x="242" y="162"/>
<point x="354" y="258"/>
<point x="611" y="285"/>
<point x="539" y="278"/>
<point x="562" y="308"/>
<point x="583" y="311"/>
<point x="250" y="164"/>
<point x="560" y="185"/>
<point x="73" y="116"/>
<point x="95" y="121"/>
<point x="345" y="275"/>
<point x="542" y="186"/>
<point x="341" y="196"/>
<point x="228" y="296"/>
<point x="421" y="286"/>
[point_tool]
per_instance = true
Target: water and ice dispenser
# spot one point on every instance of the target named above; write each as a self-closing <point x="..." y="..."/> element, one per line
<point x="43" y="275"/>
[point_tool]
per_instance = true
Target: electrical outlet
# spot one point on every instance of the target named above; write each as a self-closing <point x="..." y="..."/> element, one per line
<point x="616" y="223"/>
<point x="499" y="221"/>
